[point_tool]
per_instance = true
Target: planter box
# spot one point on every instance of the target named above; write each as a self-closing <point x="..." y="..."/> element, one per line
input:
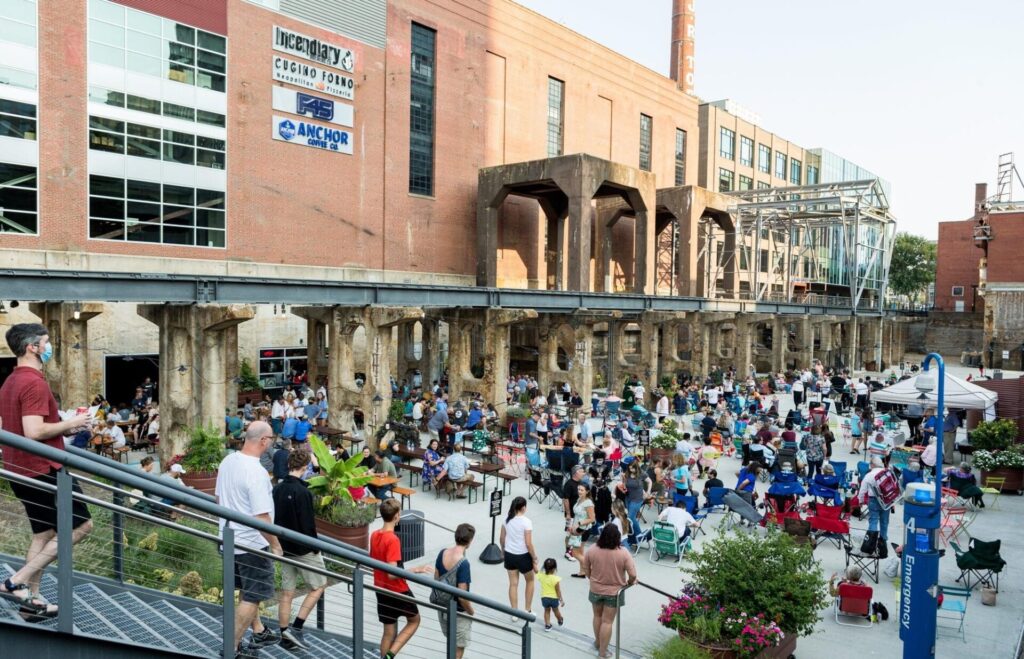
<point x="205" y="481"/>
<point x="1014" y="478"/>
<point x="249" y="397"/>
<point x="357" y="536"/>
<point x="658" y="454"/>
<point x="784" y="650"/>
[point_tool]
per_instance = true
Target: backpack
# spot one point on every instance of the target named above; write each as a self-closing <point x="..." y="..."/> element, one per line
<point x="887" y="488"/>
<point x="442" y="598"/>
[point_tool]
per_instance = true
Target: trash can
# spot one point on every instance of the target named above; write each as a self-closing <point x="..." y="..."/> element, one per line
<point x="410" y="531"/>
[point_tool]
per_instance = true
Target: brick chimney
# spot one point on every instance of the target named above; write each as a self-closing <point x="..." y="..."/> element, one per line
<point x="682" y="44"/>
<point x="980" y="195"/>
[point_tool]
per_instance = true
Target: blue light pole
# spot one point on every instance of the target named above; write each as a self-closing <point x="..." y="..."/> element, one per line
<point x="920" y="565"/>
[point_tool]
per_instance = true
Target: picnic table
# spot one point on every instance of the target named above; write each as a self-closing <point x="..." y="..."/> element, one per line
<point x="410" y="453"/>
<point x="337" y="435"/>
<point x="382" y="480"/>
<point x="485" y="468"/>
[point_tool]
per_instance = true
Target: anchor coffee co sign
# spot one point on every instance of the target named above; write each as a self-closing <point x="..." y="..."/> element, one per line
<point x="315" y="50"/>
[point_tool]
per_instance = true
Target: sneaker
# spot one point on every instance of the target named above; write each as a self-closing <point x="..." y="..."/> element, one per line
<point x="561" y="622"/>
<point x="547" y="628"/>
<point x="267" y="637"/>
<point x="570" y="557"/>
<point x="293" y="637"/>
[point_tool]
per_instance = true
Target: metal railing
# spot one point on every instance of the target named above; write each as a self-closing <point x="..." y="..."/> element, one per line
<point x="618" y="614"/>
<point x="345" y="617"/>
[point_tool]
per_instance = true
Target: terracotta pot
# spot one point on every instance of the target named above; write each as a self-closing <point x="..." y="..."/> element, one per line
<point x="658" y="454"/>
<point x="204" y="481"/>
<point x="357" y="536"/>
<point x="1014" y="478"/>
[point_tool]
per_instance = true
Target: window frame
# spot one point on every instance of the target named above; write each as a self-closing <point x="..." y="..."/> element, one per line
<point x="723" y="175"/>
<point x="781" y="162"/>
<point x="22" y="188"/>
<point x="556" y="117"/>
<point x="726" y="135"/>
<point x="646" y="141"/>
<point x="953" y="292"/>
<point x="422" y="110"/>
<point x="680" y="159"/>
<point x="746" y="146"/>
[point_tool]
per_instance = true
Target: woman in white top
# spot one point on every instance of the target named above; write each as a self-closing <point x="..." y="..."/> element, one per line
<point x="520" y="556"/>
<point x="662" y="407"/>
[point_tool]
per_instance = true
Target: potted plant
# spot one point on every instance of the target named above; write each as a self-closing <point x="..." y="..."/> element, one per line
<point x="762" y="583"/>
<point x="996" y="435"/>
<point x="339" y="515"/>
<point x="249" y="389"/>
<point x="201" y="460"/>
<point x="1008" y="464"/>
<point x="663" y="445"/>
<point x="517" y="415"/>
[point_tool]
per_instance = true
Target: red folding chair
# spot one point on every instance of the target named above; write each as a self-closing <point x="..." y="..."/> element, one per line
<point x="854" y="601"/>
<point x="830" y="523"/>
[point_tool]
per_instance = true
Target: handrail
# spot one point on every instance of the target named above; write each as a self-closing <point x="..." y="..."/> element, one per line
<point x="618" y="615"/>
<point x="121" y="473"/>
<point x="137" y="472"/>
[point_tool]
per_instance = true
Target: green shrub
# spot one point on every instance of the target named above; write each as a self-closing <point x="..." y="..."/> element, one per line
<point x="397" y="410"/>
<point x="677" y="648"/>
<point x="994" y="435"/>
<point x="247" y="379"/>
<point x="206" y="448"/>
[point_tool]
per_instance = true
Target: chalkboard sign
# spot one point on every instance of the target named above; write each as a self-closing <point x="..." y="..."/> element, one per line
<point x="644" y="437"/>
<point x="496" y="503"/>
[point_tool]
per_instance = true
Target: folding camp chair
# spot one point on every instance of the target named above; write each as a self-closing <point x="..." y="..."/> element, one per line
<point x="534" y="458"/>
<point x="853" y="601"/>
<point x="952" y="523"/>
<point x="868" y="563"/>
<point x="841" y="474"/>
<point x="715" y="501"/>
<point x="994" y="485"/>
<point x="954" y="607"/>
<point x="665" y="541"/>
<point x="830" y="524"/>
<point x="862" y="470"/>
<point x="554" y="496"/>
<point x="538" y="486"/>
<point x="980" y="564"/>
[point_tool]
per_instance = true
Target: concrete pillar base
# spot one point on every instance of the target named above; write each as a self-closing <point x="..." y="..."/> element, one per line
<point x="68" y="370"/>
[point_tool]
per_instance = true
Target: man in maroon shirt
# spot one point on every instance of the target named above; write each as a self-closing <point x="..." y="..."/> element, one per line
<point x="28" y="408"/>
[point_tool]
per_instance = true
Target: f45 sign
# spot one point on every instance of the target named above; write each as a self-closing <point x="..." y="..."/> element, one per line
<point x="313" y="107"/>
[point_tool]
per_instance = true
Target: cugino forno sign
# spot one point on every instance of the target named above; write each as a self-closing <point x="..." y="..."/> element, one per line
<point x="311" y="76"/>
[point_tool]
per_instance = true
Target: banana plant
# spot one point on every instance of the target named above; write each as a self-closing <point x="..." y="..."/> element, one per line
<point x="336" y="476"/>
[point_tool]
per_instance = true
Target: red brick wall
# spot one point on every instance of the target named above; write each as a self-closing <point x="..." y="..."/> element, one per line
<point x="1006" y="249"/>
<point x="956" y="265"/>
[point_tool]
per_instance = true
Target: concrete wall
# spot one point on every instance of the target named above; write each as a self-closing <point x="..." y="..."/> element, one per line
<point x="952" y="333"/>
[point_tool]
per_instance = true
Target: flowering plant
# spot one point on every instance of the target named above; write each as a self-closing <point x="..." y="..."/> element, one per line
<point x="705" y="622"/>
<point x="991" y="460"/>
<point x="756" y="635"/>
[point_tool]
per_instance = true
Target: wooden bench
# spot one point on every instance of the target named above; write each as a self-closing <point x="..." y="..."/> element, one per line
<point x="406" y="494"/>
<point x="474" y="491"/>
<point x="415" y="471"/>
<point x="370" y="500"/>
<point x="506" y="481"/>
<point x="121" y="453"/>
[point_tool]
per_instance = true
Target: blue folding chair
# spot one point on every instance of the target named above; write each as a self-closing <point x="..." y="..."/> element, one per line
<point x="716" y="501"/>
<point x="533" y="458"/>
<point x="862" y="469"/>
<point x="689" y="502"/>
<point x="840" y="469"/>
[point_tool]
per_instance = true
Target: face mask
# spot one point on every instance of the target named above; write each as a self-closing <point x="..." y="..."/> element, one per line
<point x="46" y="354"/>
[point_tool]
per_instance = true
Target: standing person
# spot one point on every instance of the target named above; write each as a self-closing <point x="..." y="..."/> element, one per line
<point x="293" y="510"/>
<point x="814" y="446"/>
<point x="661" y="409"/>
<point x="798" y="393"/>
<point x="610" y="568"/>
<point x="28" y="408"/>
<point x="244" y="487"/>
<point x="386" y="547"/>
<point x="949" y="427"/>
<point x="878" y="514"/>
<point x="551" y="593"/>
<point x="520" y="557"/>
<point x="638" y="488"/>
<point x="584" y="516"/>
<point x="570" y="494"/>
<point x="453" y="559"/>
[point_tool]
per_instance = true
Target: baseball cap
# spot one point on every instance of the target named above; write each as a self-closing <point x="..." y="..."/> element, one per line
<point x="177" y="469"/>
<point x="628" y="460"/>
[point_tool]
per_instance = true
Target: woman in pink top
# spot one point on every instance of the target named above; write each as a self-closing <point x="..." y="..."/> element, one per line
<point x="610" y="568"/>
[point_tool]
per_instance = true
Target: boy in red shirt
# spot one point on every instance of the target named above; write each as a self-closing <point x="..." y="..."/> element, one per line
<point x="387" y="548"/>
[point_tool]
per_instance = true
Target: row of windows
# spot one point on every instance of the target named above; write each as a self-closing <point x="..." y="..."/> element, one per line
<point x="145" y="43"/>
<point x="142" y="211"/>
<point x="421" y="110"/>
<point x="17" y="119"/>
<point x="153" y="106"/>
<point x="727" y="150"/>
<point x="727" y="177"/>
<point x="149" y="142"/>
<point x="19" y="198"/>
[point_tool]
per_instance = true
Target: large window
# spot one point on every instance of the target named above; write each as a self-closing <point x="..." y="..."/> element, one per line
<point x="149" y="142"/>
<point x="761" y="185"/>
<point x="278" y="365"/>
<point x="556" y="117"/>
<point x="645" y="142"/>
<point x="780" y="165"/>
<point x="143" y="43"/>
<point x="19" y="210"/>
<point x="746" y="151"/>
<point x="725" y="178"/>
<point x="746" y="183"/>
<point x="812" y="175"/>
<point x="17" y="25"/>
<point x="764" y="159"/>
<point x="680" y="156"/>
<point x="153" y="106"/>
<point x="795" y="171"/>
<point x="17" y="119"/>
<point x="142" y="211"/>
<point x="726" y="143"/>
<point x="421" y="111"/>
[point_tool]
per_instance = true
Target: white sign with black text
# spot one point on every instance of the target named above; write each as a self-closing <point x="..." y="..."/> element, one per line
<point x="295" y="43"/>
<point x="311" y="76"/>
<point x="305" y="133"/>
<point x="313" y="107"/>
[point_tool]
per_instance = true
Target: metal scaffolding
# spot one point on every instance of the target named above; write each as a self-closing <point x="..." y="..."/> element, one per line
<point x="826" y="243"/>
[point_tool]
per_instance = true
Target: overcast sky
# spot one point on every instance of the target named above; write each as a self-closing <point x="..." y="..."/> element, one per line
<point x="924" y="93"/>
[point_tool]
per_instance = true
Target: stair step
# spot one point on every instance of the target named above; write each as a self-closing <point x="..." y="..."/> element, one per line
<point x="126" y="623"/>
<point x="160" y="624"/>
<point x="196" y="629"/>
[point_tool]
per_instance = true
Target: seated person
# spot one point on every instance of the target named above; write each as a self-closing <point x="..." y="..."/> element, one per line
<point x="680" y="518"/>
<point x="965" y="484"/>
<point x="456" y="470"/>
<point x="853" y="575"/>
<point x="746" y="480"/>
<point x="236" y="425"/>
<point x="681" y="478"/>
<point x="114" y="432"/>
<point x="713" y="481"/>
<point x="383" y="467"/>
<point x="475" y="417"/>
<point x="827" y="478"/>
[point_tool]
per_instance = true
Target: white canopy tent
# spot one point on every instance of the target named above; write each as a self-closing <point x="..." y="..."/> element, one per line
<point x="959" y="394"/>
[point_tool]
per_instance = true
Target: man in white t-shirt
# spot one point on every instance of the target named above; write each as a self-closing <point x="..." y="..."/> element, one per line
<point x="680" y="518"/>
<point x="115" y="433"/>
<point x="244" y="486"/>
<point x="713" y="393"/>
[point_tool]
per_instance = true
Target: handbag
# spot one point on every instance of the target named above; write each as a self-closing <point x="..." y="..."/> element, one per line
<point x="870" y="543"/>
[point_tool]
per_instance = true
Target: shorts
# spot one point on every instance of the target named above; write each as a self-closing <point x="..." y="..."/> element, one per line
<point x="549" y="602"/>
<point x="463" y="628"/>
<point x="41" y="505"/>
<point x="290" y="573"/>
<point x="254" y="577"/>
<point x="391" y="608"/>
<point x="521" y="562"/>
<point x="607" y="600"/>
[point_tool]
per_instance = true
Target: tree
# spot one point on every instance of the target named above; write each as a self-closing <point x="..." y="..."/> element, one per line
<point x="912" y="266"/>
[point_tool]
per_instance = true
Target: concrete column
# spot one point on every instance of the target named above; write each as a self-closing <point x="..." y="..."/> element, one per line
<point x="231" y="370"/>
<point x="780" y="347"/>
<point x="668" y="354"/>
<point x="404" y="356"/>
<point x="68" y="370"/>
<point x="316" y="353"/>
<point x="744" y="349"/>
<point x="195" y="342"/>
<point x="805" y="357"/>
<point x="574" y="336"/>
<point x="579" y="230"/>
<point x="376" y="392"/>
<point x="494" y="323"/>
<point x="617" y="365"/>
<point x="488" y="215"/>
<point x="701" y="347"/>
<point x="851" y="353"/>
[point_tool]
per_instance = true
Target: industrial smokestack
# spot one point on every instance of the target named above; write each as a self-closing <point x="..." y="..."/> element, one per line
<point x="980" y="195"/>
<point x="682" y="44"/>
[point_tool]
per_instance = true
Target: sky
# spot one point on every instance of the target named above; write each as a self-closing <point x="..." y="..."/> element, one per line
<point x="926" y="94"/>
